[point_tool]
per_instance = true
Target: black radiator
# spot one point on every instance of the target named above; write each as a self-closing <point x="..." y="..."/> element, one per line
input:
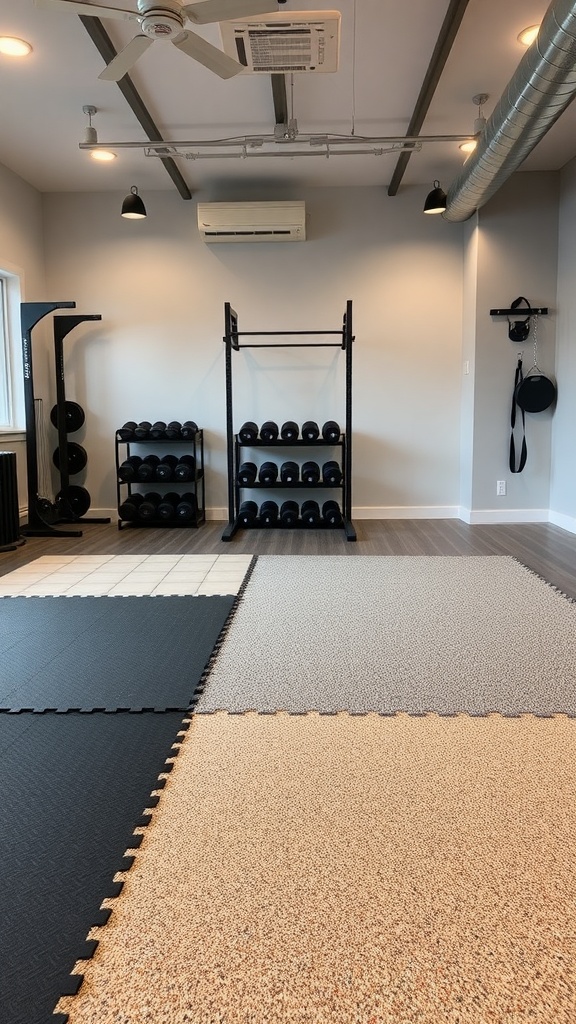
<point x="9" y="516"/>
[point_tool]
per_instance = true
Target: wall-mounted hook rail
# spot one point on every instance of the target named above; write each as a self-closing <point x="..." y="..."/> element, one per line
<point x="532" y="311"/>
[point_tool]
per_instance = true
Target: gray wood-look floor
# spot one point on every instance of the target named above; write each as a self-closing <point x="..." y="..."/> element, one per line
<point x="547" y="550"/>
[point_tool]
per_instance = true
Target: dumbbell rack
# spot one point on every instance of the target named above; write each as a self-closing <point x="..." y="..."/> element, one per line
<point x="235" y="446"/>
<point x="195" y="447"/>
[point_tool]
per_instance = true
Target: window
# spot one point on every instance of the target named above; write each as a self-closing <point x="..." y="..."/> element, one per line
<point x="11" y="384"/>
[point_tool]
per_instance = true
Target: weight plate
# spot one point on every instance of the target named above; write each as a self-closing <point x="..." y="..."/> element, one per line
<point x="73" y="415"/>
<point x="77" y="457"/>
<point x="78" y="499"/>
<point x="46" y="511"/>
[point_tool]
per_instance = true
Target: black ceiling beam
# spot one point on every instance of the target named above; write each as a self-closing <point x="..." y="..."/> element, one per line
<point x="280" y="98"/>
<point x="106" y="49"/>
<point x="444" y="43"/>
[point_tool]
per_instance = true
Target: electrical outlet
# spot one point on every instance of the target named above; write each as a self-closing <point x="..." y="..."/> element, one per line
<point x="500" y="487"/>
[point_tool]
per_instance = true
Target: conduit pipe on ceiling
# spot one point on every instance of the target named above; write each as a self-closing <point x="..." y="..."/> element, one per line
<point x="543" y="85"/>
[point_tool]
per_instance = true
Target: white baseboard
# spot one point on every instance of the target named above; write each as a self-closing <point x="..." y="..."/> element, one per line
<point x="405" y="512"/>
<point x="496" y="516"/>
<point x="564" y="522"/>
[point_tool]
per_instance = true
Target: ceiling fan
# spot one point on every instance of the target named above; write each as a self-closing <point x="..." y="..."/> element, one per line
<point x="165" y="19"/>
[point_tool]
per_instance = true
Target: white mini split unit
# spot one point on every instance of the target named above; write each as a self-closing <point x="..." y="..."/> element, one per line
<point x="252" y="222"/>
<point x="284" y="43"/>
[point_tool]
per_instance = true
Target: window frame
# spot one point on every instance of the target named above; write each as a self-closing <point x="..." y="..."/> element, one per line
<point x="12" y="409"/>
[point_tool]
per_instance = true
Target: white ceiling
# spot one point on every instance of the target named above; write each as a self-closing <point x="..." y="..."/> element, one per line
<point x="42" y="123"/>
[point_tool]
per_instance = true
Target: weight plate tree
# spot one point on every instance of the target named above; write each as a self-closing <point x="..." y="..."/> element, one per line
<point x="41" y="511"/>
<point x="72" y="500"/>
<point x="232" y="342"/>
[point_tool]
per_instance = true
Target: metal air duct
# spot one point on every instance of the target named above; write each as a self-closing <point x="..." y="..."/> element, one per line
<point x="543" y="85"/>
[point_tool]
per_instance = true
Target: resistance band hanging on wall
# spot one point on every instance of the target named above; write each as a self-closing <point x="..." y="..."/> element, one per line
<point x="533" y="392"/>
<point x="518" y="379"/>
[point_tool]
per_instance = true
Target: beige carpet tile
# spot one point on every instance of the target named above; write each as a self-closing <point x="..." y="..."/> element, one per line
<point x="308" y="869"/>
<point x="393" y="633"/>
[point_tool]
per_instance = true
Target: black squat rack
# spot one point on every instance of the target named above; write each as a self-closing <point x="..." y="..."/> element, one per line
<point x="232" y="341"/>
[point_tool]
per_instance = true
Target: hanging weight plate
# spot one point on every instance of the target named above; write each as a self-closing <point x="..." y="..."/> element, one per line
<point x="46" y="511"/>
<point x="77" y="498"/>
<point x="77" y="457"/>
<point x="73" y="415"/>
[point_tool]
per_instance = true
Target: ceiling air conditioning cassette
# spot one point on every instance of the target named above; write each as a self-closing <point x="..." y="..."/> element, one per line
<point x="252" y="222"/>
<point x="284" y="43"/>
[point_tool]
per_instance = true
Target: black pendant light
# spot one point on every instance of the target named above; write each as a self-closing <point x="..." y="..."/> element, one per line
<point x="435" y="200"/>
<point x="133" y="208"/>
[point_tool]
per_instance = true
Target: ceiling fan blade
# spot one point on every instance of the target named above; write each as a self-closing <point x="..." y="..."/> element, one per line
<point x="70" y="6"/>
<point x="210" y="56"/>
<point x="126" y="58"/>
<point x="226" y="10"/>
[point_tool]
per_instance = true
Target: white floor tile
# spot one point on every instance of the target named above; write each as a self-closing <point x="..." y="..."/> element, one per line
<point x="62" y="559"/>
<point x="89" y="590"/>
<point x="174" y="590"/>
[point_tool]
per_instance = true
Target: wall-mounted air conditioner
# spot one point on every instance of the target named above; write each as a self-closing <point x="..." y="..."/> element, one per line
<point x="252" y="222"/>
<point x="283" y="43"/>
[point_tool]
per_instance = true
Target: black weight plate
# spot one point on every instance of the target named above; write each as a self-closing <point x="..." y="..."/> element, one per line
<point x="78" y="498"/>
<point x="77" y="457"/>
<point x="73" y="415"/>
<point x="46" y="510"/>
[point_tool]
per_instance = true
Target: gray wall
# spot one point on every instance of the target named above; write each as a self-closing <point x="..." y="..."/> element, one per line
<point x="563" y="471"/>
<point x="429" y="440"/>
<point x="158" y="353"/>
<point x="513" y="246"/>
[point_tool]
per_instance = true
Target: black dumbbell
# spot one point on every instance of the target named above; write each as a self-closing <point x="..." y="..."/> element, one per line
<point x="128" y="470"/>
<point x="310" y="473"/>
<point x="331" y="431"/>
<point x="248" y="432"/>
<point x="166" y="508"/>
<point x="248" y="512"/>
<point x="147" y="468"/>
<point x="331" y="513"/>
<point x="289" y="512"/>
<point x="142" y="430"/>
<point x="310" y="512"/>
<point x="165" y="468"/>
<point x="185" y="468"/>
<point x="310" y="431"/>
<point x="158" y="430"/>
<point x="289" y="431"/>
<point x="268" y="473"/>
<point x="247" y="473"/>
<point x="269" y="513"/>
<point x="128" y="510"/>
<point x="186" y="507"/>
<point x="269" y="431"/>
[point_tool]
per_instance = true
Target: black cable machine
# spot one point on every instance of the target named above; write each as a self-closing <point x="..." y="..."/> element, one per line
<point x="232" y="342"/>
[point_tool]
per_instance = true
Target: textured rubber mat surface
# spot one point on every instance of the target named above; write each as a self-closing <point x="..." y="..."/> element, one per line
<point x="104" y="652"/>
<point x="73" y="788"/>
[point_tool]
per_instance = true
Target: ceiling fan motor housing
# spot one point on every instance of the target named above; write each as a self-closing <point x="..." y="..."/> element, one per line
<point x="161" y="27"/>
<point x="161" y="21"/>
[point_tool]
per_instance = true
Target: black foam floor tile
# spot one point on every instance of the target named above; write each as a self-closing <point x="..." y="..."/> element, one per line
<point x="106" y="652"/>
<point x="73" y="787"/>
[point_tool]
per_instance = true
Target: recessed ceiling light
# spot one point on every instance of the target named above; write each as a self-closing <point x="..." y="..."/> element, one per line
<point x="528" y="35"/>
<point x="104" y="155"/>
<point x="10" y="46"/>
